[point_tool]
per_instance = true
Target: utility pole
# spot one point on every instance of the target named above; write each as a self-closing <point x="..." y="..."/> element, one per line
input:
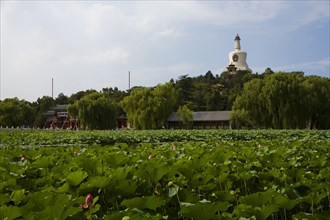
<point x="0" y="81"/>
<point x="52" y="88"/>
<point x="0" y="84"/>
<point x="129" y="80"/>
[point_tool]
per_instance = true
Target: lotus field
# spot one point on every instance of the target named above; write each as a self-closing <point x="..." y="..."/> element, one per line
<point x="164" y="174"/>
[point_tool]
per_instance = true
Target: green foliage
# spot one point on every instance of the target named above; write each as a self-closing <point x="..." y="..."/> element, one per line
<point x="316" y="99"/>
<point x="270" y="100"/>
<point x="79" y="95"/>
<point x="95" y="111"/>
<point x="242" y="174"/>
<point x="10" y="212"/>
<point x="46" y="138"/>
<point x="148" y="108"/>
<point x="249" y="109"/>
<point x="173" y="190"/>
<point x="211" y="93"/>
<point x="62" y="99"/>
<point x="148" y="202"/>
<point x="284" y="101"/>
<point x="204" y="210"/>
<point x="17" y="196"/>
<point x="14" y="113"/>
<point x="185" y="115"/>
<point x="75" y="178"/>
<point x="41" y="106"/>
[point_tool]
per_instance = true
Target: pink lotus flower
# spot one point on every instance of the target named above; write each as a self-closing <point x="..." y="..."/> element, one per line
<point x="89" y="200"/>
<point x="22" y="158"/>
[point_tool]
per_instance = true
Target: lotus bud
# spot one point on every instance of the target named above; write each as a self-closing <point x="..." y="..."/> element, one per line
<point x="89" y="200"/>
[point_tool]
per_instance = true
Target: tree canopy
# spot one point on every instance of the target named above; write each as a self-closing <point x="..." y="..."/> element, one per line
<point x="95" y="111"/>
<point x="15" y="112"/>
<point x="148" y="108"/>
<point x="284" y="101"/>
<point x="185" y="115"/>
<point x="211" y="93"/>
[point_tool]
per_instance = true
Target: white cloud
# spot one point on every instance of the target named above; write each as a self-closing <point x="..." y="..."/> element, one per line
<point x="306" y="13"/>
<point x="220" y="13"/>
<point x="166" y="15"/>
<point x="171" y="32"/>
<point x="309" y="68"/>
<point x="313" y="67"/>
<point x="116" y="54"/>
<point x="151" y="76"/>
<point x="316" y="12"/>
<point x="104" y="19"/>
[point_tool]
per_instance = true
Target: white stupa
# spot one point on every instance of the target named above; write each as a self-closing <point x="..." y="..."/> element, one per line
<point x="237" y="58"/>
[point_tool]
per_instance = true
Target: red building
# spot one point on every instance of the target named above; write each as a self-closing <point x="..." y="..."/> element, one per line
<point x="58" y="117"/>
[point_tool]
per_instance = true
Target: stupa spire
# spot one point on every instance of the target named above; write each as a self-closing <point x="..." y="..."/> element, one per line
<point x="237" y="42"/>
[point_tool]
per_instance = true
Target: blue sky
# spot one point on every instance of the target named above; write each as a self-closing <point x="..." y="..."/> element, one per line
<point x="92" y="45"/>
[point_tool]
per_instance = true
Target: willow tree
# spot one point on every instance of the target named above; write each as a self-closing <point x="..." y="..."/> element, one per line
<point x="249" y="109"/>
<point x="148" y="108"/>
<point x="185" y="115"/>
<point x="317" y="102"/>
<point x="95" y="111"/>
<point x="284" y="100"/>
